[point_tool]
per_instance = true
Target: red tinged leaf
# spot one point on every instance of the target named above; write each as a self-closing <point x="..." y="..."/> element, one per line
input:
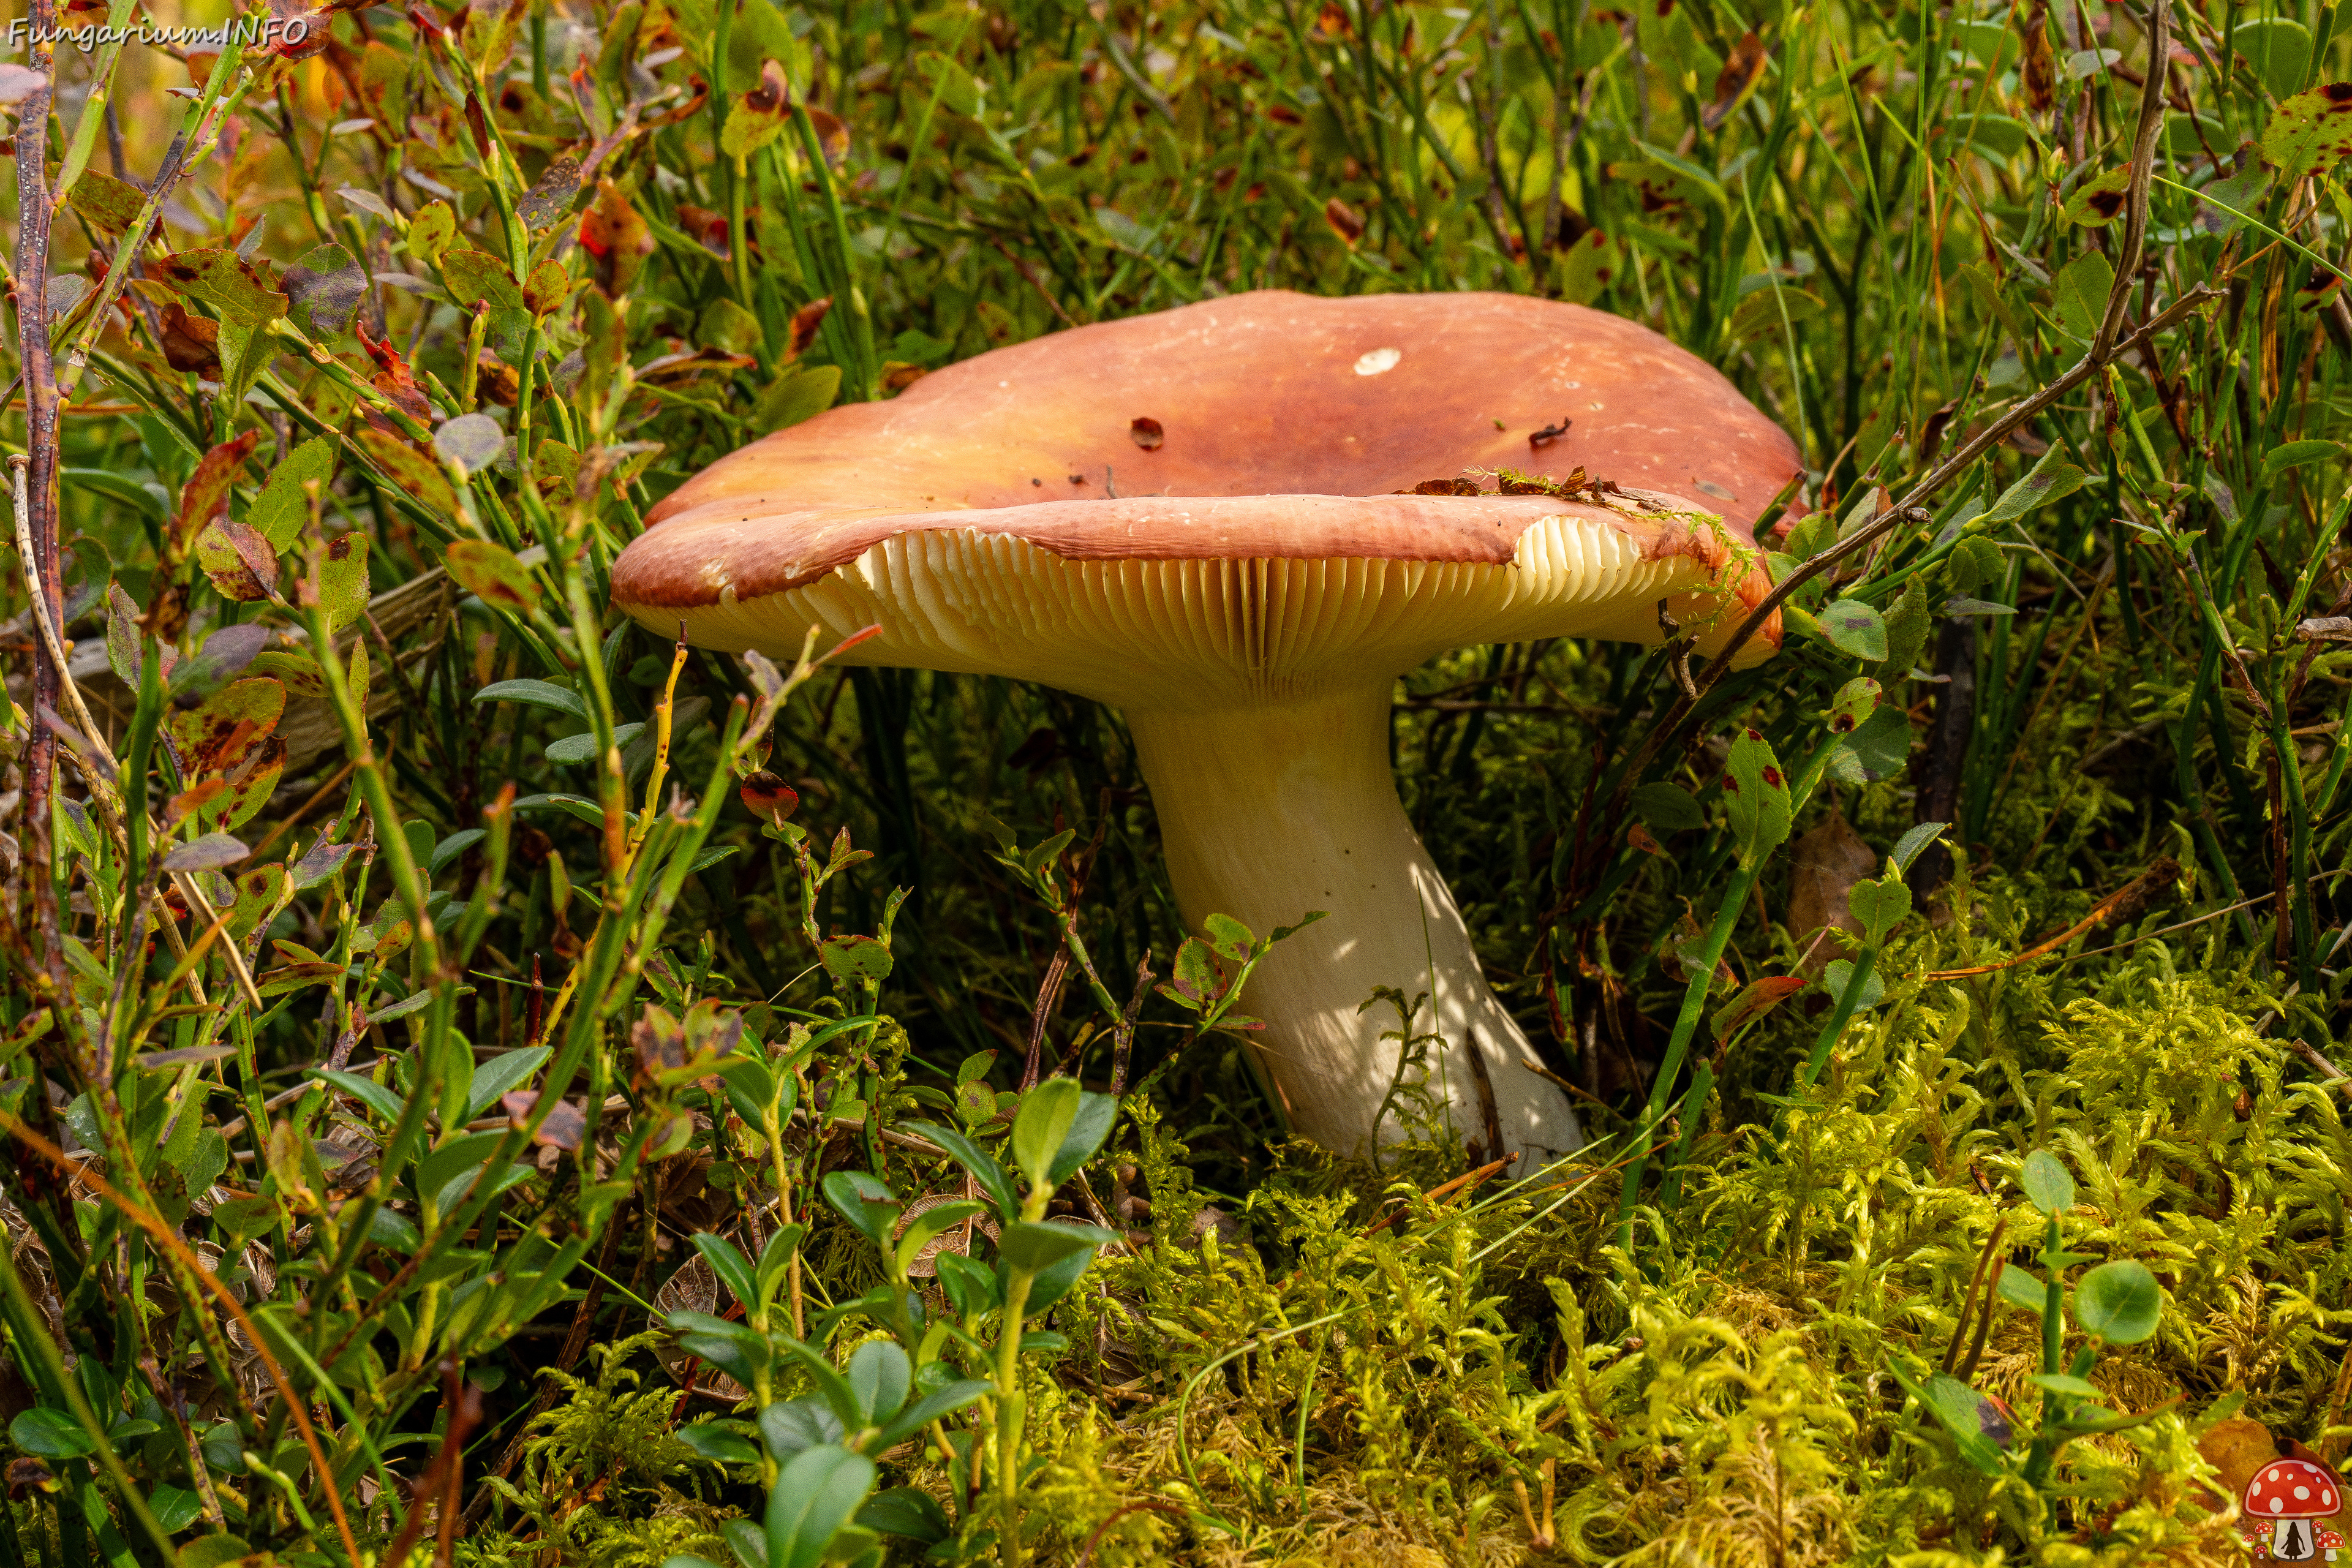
<point x="1755" y="1000"/>
<point x="767" y="796"/>
<point x="192" y="343"/>
<point x="1344" y="220"/>
<point x="832" y="135"/>
<point x="214" y="735"/>
<point x="805" y="323"/>
<point x="612" y="232"/>
<point x="1640" y="839"/>
<point x="194" y="798"/>
<point x="705" y="227"/>
<point x="239" y="562"/>
<point x="393" y="377"/>
<point x="1740" y="73"/>
<point x="206" y="494"/>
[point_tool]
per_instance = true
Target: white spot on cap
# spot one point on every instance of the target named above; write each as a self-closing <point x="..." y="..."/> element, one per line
<point x="1005" y="384"/>
<point x="2277" y="1503"/>
<point x="1379" y="361"/>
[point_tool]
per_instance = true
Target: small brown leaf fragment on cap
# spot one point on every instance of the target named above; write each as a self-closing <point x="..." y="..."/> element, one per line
<point x="1146" y="434"/>
<point x="1549" y="433"/>
<point x="1077" y="479"/>
<point x="1345" y="221"/>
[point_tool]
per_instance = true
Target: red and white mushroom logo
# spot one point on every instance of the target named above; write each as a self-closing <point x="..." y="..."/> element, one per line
<point x="2284" y="1499"/>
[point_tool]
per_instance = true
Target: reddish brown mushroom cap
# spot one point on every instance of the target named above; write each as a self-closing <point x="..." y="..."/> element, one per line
<point x="1194" y="516"/>
<point x="1268" y="426"/>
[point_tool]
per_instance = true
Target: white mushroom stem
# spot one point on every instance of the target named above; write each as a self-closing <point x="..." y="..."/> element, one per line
<point x="1269" y="812"/>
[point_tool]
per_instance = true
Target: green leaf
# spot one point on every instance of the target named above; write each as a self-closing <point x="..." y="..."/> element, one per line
<point x="1838" y="974"/>
<point x="1880" y="906"/>
<point x="279" y="513"/>
<point x="797" y="396"/>
<point x="378" y="1098"/>
<point x="1854" y="628"/>
<point x="993" y="1177"/>
<point x="2100" y="200"/>
<point x="1908" y="621"/>
<point x="215" y="1550"/>
<point x="1756" y="796"/>
<point x="2294" y="455"/>
<point x="930" y="1223"/>
<point x="856" y="960"/>
<point x="580" y="748"/>
<point x="324" y="287"/>
<point x="2048" y="1184"/>
<point x="339" y="579"/>
<point x="174" y="1507"/>
<point x="491" y="573"/>
<point x="509" y="1070"/>
<point x="534" y="694"/>
<point x="1092" y="1125"/>
<point x="1854" y="701"/>
<point x="796" y="1425"/>
<point x="908" y="1512"/>
<point x="866" y="1202"/>
<point x="226" y="281"/>
<point x="476" y="276"/>
<point x="470" y="444"/>
<point x="1976" y="562"/>
<point x="880" y="1374"/>
<point x="2021" y="1289"/>
<point x="50" y="1435"/>
<point x="2120" y="1301"/>
<point x="1877" y="748"/>
<point x="929" y="1409"/>
<point x="2279" y="50"/>
<point x="1667" y="807"/>
<point x="750" y="1088"/>
<point x="2310" y="132"/>
<point x="718" y="1445"/>
<point x="813" y="1497"/>
<point x="1027" y="1244"/>
<point x="2080" y="293"/>
<point x="1908" y="848"/>
<point x="1981" y="1428"/>
<point x="448" y="850"/>
<point x="2062" y="1383"/>
<point x="1044" y="1121"/>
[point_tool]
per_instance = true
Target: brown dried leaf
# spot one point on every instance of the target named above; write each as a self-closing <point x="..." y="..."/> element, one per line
<point x="1824" y="864"/>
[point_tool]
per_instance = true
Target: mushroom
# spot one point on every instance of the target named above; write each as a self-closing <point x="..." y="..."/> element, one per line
<point x="2287" y="1495"/>
<point x="2330" y="1543"/>
<point x="1207" y="519"/>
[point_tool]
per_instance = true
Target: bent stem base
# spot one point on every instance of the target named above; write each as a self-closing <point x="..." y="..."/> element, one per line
<point x="1271" y="812"/>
